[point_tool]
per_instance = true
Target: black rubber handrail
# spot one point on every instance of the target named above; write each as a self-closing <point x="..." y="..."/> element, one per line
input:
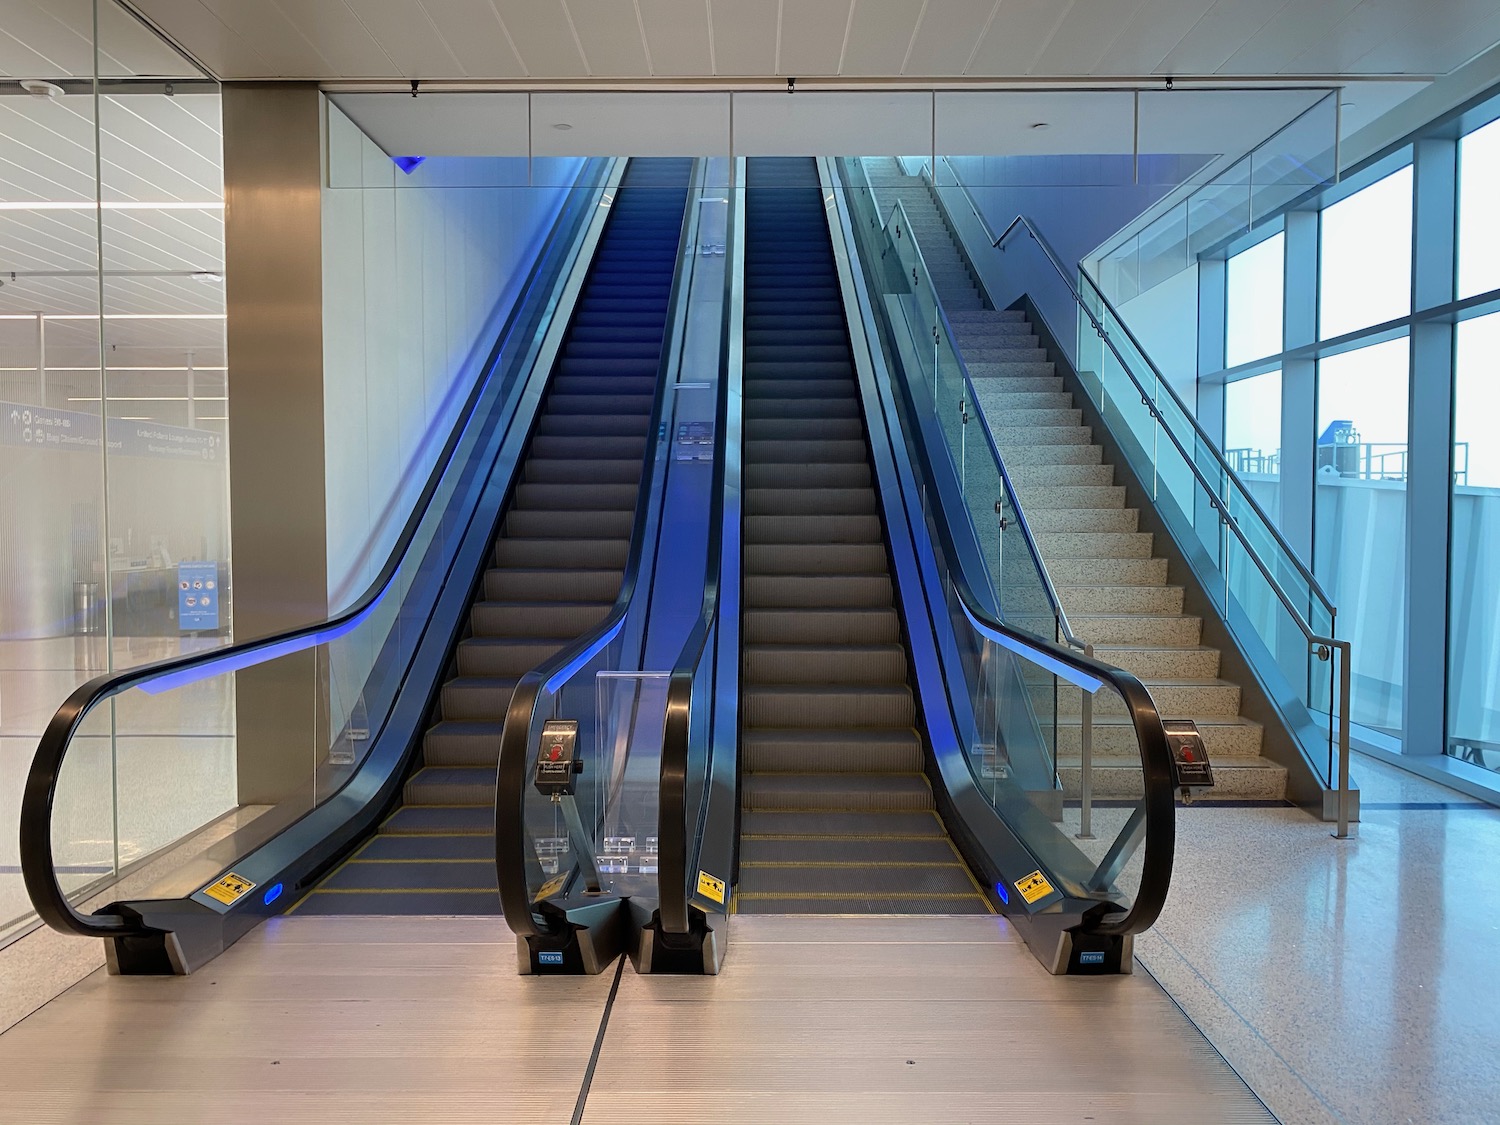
<point x="674" y="837"/>
<point x="1157" y="769"/>
<point x="37" y="861"/>
<point x="513" y="847"/>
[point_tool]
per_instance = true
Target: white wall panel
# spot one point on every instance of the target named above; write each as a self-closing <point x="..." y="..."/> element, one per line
<point x="828" y="124"/>
<point x="630" y="124"/>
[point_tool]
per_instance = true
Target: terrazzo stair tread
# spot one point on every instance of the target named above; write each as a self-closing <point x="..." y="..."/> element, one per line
<point x="1071" y="495"/>
<point x="428" y="820"/>
<point x="1057" y="476"/>
<point x="1093" y="545"/>
<point x="821" y="626"/>
<point x="1078" y="571"/>
<point x="1006" y="316"/>
<point x="817" y="591"/>
<point x="815" y="558"/>
<point x="828" y="664"/>
<point x="1084" y="600"/>
<point x="475" y="699"/>
<point x="816" y="749"/>
<point x="559" y="497"/>
<point x="505" y="656"/>
<point x="837" y="792"/>
<point x="464" y="743"/>
<point x="992" y="334"/>
<point x="838" y="474"/>
<point x="853" y="879"/>
<point x="847" y="849"/>
<point x="1017" y="349"/>
<point x="594" y="447"/>
<point x="1235" y="779"/>
<point x="1205" y="699"/>
<point x="765" y="451"/>
<point x="813" y="529"/>
<point x="574" y="524"/>
<point x="540" y="551"/>
<point x="536" y="619"/>
<point x="1227" y="737"/>
<point x="451" y="785"/>
<point x="1010" y="385"/>
<point x="809" y="501"/>
<point x="836" y="706"/>
<point x="1009" y="399"/>
<point x="1150" y="662"/>
<point x="1075" y="520"/>
<point x="1040" y="419"/>
<point x="1017" y="456"/>
<point x="551" y="470"/>
<point x="1138" y="628"/>
<point x="426" y="874"/>
<point x="984" y="369"/>
<point x="836" y="823"/>
<point x="514" y="584"/>
<point x="1009" y="437"/>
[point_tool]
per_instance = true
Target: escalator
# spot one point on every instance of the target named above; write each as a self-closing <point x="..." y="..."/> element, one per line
<point x="521" y="540"/>
<point x="838" y="815"/>
<point x="556" y="569"/>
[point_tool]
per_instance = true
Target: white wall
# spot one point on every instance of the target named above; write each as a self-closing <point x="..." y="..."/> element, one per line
<point x="419" y="273"/>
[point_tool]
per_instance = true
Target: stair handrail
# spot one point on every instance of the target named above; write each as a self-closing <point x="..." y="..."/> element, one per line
<point x="1323" y="646"/>
<point x="37" y="868"/>
<point x="511" y="839"/>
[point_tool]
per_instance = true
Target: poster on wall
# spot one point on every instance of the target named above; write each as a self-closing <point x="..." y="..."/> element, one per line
<point x="197" y="596"/>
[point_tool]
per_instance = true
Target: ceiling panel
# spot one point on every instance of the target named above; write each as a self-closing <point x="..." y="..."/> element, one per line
<point x="543" y="37"/>
<point x="631" y="124"/>
<point x="1000" y="124"/>
<point x="744" y="36"/>
<point x="211" y="41"/>
<point x="1155" y="29"/>
<point x="128" y="48"/>
<point x="58" y="34"/>
<point x="812" y="36"/>
<point x="1210" y="42"/>
<point x="440" y="124"/>
<point x="829" y="124"/>
<point x="342" y="37"/>
<point x="1287" y="34"/>
<point x="613" y="46"/>
<point x="879" y="36"/>
<point x="1425" y="47"/>
<point x="472" y="31"/>
<point x="1015" y="37"/>
<point x="408" y="35"/>
<point x="1394" y="25"/>
<point x="945" y="40"/>
<point x="1216" y="121"/>
<point x="677" y="34"/>
<point x="1085" y="36"/>
<point x="273" y="36"/>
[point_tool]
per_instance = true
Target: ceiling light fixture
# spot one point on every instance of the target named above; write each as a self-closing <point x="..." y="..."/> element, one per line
<point x="1041" y="125"/>
<point x="39" y="89"/>
<point x="208" y="277"/>
<point x="562" y="125"/>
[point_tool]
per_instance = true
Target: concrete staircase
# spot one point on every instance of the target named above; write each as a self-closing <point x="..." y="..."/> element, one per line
<point x="1112" y="585"/>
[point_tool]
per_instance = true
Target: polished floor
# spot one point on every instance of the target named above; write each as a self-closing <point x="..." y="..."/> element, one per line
<point x="869" y="1020"/>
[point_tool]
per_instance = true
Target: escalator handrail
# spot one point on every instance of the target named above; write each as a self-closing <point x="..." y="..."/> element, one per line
<point x="1155" y="754"/>
<point x="674" y="837"/>
<point x="510" y="780"/>
<point x="37" y="867"/>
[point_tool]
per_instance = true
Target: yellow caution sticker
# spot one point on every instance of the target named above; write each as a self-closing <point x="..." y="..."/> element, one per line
<point x="1034" y="887"/>
<point x="551" y="887"/>
<point x="709" y="887"/>
<point x="229" y="890"/>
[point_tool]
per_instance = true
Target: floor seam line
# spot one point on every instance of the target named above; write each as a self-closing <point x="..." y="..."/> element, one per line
<point x="588" y="1074"/>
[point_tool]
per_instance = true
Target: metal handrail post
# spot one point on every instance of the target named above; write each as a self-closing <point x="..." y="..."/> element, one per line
<point x="1345" y="676"/>
<point x="1086" y="747"/>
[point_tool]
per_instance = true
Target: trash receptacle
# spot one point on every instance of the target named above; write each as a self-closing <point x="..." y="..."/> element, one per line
<point x="86" y="609"/>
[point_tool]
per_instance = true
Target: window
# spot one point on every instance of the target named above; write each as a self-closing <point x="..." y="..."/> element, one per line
<point x="1365" y="274"/>
<point x="1252" y="425"/>
<point x="1474" y="604"/>
<point x="1478" y="219"/>
<point x="1360" y="517"/>
<point x="1254" y="294"/>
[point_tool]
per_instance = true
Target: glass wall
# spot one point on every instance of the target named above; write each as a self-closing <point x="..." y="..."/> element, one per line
<point x="1478" y="217"/>
<point x="114" y="544"/>
<point x="1364" y="274"/>
<point x="1255" y="285"/>
<point x="1474" y="613"/>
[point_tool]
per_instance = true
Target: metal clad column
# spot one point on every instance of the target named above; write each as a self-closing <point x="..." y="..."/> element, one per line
<point x="274" y="295"/>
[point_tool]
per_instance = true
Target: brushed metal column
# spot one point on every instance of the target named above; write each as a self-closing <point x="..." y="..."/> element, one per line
<point x="274" y="294"/>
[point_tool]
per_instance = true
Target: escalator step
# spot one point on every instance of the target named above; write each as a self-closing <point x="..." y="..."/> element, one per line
<point x="821" y="626"/>
<point x="467" y="699"/>
<point x="832" y="751"/>
<point x="542" y="551"/>
<point x="536" y="619"/>
<point x="443" y="820"/>
<point x="846" y="792"/>
<point x="810" y="501"/>
<point x="839" y="822"/>
<point x="475" y="845"/>
<point x="451" y="785"/>
<point x="842" y="707"/>
<point x="505" y="656"/>
<point x="815" y="591"/>
<point x="551" y="584"/>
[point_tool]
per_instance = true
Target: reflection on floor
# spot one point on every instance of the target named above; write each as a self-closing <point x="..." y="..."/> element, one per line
<point x="863" y="1019"/>
<point x="1347" y="981"/>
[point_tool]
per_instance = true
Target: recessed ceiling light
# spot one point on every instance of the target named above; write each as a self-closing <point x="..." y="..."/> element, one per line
<point x="1040" y="125"/>
<point x="39" y="89"/>
<point x="208" y="277"/>
<point x="1345" y="105"/>
<point x="563" y="125"/>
